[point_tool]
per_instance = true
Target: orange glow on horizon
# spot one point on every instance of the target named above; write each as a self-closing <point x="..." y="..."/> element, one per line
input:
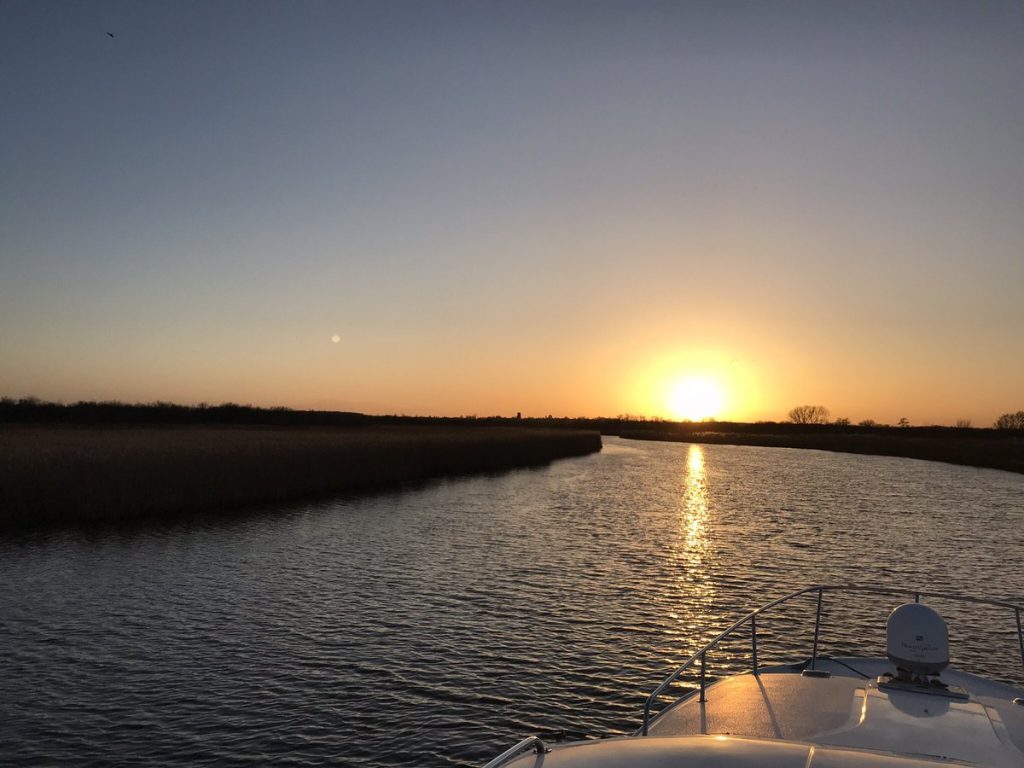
<point x="719" y="382"/>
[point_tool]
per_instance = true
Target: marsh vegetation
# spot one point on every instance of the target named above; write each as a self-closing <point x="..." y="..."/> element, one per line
<point x="54" y="474"/>
<point x="971" y="447"/>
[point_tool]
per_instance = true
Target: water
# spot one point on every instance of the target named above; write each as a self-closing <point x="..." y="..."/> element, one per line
<point x="437" y="625"/>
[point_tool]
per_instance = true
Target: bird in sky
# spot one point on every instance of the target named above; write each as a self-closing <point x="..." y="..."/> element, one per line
<point x="110" y="34"/>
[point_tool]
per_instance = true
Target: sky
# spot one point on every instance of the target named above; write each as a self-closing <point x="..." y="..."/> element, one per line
<point x="567" y="208"/>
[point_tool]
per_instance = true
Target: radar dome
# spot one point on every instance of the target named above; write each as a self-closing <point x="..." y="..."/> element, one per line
<point x="917" y="640"/>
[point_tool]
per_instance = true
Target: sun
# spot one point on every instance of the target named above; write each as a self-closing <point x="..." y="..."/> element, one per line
<point x="695" y="398"/>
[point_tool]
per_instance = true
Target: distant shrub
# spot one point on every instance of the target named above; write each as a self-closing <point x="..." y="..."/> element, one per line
<point x="842" y="422"/>
<point x="809" y="414"/>
<point x="867" y="423"/>
<point x="963" y="423"/>
<point x="1010" y="421"/>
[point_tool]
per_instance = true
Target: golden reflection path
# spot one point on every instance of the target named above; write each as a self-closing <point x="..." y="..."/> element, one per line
<point x="695" y="588"/>
<point x="694" y="520"/>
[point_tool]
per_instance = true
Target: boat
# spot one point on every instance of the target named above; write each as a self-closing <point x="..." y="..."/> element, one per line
<point x="906" y="709"/>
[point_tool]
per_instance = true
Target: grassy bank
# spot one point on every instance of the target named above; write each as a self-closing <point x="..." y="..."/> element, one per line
<point x="52" y="474"/>
<point x="992" y="451"/>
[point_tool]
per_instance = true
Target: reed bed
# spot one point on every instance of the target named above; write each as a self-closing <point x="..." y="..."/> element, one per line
<point x="1006" y="453"/>
<point x="54" y="475"/>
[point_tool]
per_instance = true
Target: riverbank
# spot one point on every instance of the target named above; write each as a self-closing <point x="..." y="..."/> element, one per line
<point x="993" y="452"/>
<point x="55" y="474"/>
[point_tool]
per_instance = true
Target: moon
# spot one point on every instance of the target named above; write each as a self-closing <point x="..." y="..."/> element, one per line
<point x="335" y="338"/>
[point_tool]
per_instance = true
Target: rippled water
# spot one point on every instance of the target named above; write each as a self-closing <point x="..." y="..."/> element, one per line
<point x="437" y="625"/>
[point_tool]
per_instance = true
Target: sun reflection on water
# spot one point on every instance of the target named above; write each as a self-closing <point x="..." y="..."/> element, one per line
<point x="695" y="588"/>
<point x="695" y="509"/>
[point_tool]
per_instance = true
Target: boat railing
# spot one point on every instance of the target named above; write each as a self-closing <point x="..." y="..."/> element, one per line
<point x="700" y="657"/>
<point x="530" y="742"/>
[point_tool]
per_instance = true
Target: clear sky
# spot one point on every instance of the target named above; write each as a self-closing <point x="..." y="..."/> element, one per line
<point x="579" y="208"/>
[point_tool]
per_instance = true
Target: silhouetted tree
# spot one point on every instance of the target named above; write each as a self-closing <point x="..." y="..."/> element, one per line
<point x="809" y="414"/>
<point x="842" y="422"/>
<point x="903" y="422"/>
<point x="1010" y="421"/>
<point x="963" y="423"/>
<point x="867" y="423"/>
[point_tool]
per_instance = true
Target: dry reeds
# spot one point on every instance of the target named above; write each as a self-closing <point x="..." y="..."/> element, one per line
<point x="986" y="451"/>
<point x="51" y="474"/>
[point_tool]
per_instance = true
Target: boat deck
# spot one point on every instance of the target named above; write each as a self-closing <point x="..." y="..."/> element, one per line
<point x="823" y="713"/>
<point x="847" y="709"/>
<point x="713" y="752"/>
<point x="765" y="706"/>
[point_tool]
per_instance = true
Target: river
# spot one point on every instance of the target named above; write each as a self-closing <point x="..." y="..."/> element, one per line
<point x="436" y="625"/>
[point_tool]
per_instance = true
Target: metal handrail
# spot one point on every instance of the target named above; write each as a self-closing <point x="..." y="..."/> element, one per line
<point x="751" y="617"/>
<point x="529" y="742"/>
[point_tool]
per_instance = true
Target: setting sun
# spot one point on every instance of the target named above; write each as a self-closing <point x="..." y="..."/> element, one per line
<point x="695" y="398"/>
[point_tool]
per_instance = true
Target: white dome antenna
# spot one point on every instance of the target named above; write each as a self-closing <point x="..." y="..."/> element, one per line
<point x="917" y="641"/>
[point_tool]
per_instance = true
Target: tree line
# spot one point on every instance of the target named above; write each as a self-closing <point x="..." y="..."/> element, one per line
<point x="819" y="414"/>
